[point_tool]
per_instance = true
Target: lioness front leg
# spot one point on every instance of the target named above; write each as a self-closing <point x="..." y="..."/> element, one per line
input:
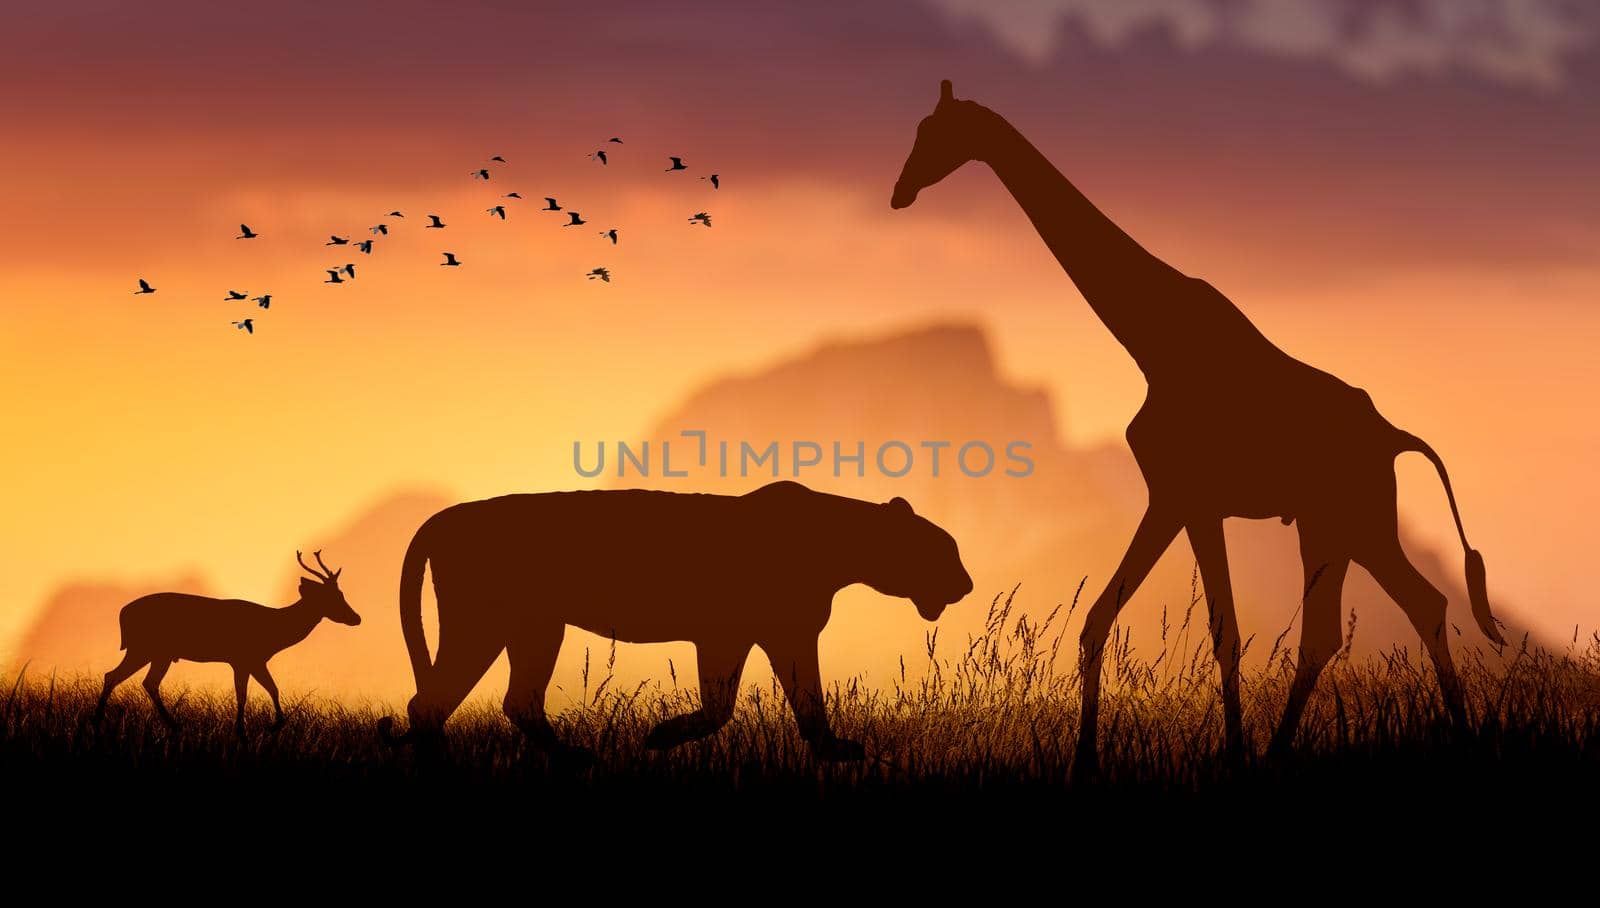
<point x="795" y="663"/>
<point x="720" y="664"/>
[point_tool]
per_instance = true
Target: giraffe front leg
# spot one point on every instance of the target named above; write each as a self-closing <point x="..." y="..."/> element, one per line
<point x="1211" y="552"/>
<point x="1156" y="531"/>
<point x="1324" y="565"/>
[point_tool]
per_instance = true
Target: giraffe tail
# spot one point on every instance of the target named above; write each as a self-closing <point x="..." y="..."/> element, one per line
<point x="1477" y="578"/>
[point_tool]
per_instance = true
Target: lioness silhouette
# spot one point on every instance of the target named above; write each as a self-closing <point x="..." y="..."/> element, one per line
<point x="1232" y="426"/>
<point x="724" y="572"/>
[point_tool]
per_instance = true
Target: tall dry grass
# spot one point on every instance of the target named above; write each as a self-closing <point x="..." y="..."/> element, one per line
<point x="990" y="714"/>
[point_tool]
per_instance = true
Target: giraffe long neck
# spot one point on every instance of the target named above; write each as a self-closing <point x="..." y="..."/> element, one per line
<point x="1128" y="288"/>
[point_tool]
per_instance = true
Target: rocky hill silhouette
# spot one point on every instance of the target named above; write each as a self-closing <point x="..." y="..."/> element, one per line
<point x="76" y="631"/>
<point x="1048" y="531"/>
<point x="1069" y="520"/>
<point x="77" y="627"/>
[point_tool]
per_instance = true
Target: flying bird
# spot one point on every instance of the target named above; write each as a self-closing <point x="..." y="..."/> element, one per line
<point x="264" y="300"/>
<point x="235" y="295"/>
<point x="615" y="139"/>
<point x="245" y="233"/>
<point x="498" y="211"/>
<point x="499" y="159"/>
<point x="700" y="217"/>
<point x="480" y="174"/>
<point x="337" y="240"/>
<point x="394" y="214"/>
<point x="449" y="260"/>
<point x="550" y="205"/>
<point x="365" y="246"/>
<point x="333" y="277"/>
<point x="576" y="221"/>
<point x="716" y="183"/>
<point x="513" y="195"/>
<point x="677" y="164"/>
<point x="248" y="325"/>
<point x="603" y="274"/>
<point x="350" y="269"/>
<point x="436" y="222"/>
<point x="144" y="287"/>
<point x="599" y="155"/>
<point x="611" y="235"/>
<point x="380" y="228"/>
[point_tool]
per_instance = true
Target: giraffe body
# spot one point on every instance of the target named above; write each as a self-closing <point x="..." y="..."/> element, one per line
<point x="1231" y="426"/>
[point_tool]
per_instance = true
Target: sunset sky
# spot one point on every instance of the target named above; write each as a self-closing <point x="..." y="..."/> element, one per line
<point x="1403" y="194"/>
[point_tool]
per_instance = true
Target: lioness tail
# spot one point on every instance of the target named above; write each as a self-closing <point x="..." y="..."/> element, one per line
<point x="411" y="607"/>
<point x="410" y="627"/>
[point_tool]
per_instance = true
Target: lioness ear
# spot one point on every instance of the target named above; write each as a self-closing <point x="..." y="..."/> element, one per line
<point x="901" y="503"/>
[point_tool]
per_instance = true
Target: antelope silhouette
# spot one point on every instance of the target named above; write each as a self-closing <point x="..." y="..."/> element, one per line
<point x="1231" y="427"/>
<point x="162" y="628"/>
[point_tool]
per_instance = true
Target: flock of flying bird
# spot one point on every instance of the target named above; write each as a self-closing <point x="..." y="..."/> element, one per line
<point x="340" y="274"/>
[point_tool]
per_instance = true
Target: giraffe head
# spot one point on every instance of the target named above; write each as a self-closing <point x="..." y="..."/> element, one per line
<point x="944" y="143"/>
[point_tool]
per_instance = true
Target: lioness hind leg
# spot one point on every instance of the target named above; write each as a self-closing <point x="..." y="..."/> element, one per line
<point x="464" y="656"/>
<point x="720" y="665"/>
<point x="533" y="658"/>
<point x="795" y="664"/>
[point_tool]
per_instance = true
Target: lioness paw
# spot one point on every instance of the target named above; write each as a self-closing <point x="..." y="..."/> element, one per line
<point x="572" y="758"/>
<point x="838" y="749"/>
<point x="667" y="735"/>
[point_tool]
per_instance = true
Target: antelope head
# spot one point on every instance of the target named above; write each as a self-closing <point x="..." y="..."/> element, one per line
<point x="321" y="589"/>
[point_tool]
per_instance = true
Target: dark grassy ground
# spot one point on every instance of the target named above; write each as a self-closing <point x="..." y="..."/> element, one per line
<point x="979" y="738"/>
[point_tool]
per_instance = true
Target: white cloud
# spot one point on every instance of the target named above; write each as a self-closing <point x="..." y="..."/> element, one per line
<point x="1517" y="42"/>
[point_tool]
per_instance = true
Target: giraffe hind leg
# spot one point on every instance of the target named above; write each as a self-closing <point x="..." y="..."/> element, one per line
<point x="1425" y="606"/>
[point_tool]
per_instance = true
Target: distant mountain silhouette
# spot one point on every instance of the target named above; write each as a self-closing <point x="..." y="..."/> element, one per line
<point x="1047" y="531"/>
<point x="1069" y="520"/>
<point x="76" y="631"/>
<point x="372" y="658"/>
<point x="77" y="628"/>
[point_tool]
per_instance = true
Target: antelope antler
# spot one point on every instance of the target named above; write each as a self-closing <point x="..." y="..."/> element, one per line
<point x="309" y="570"/>
<point x="332" y="574"/>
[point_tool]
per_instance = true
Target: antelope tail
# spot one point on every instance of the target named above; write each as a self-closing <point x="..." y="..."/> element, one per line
<point x="1477" y="580"/>
<point x="411" y="624"/>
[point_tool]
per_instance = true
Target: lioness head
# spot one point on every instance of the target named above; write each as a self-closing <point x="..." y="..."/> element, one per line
<point x="914" y="559"/>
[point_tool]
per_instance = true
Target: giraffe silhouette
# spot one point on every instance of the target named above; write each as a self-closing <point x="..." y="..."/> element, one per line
<point x="1231" y="426"/>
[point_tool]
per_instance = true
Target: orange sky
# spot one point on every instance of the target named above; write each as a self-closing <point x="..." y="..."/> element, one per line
<point x="1429" y="239"/>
